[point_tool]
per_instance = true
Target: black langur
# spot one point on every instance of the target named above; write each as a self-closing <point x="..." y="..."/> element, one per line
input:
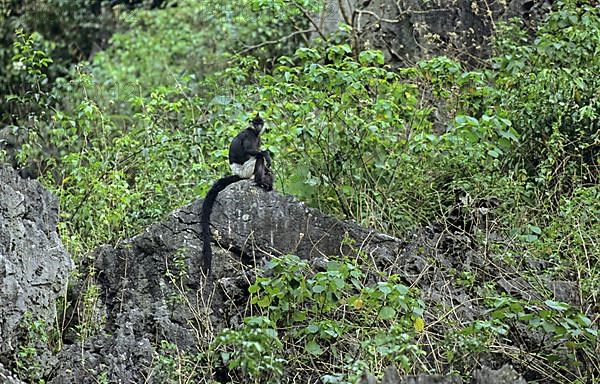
<point x="246" y="161"/>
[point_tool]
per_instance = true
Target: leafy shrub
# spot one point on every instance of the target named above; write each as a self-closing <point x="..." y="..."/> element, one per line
<point x="183" y="44"/>
<point x="319" y="319"/>
<point x="254" y="349"/>
<point x="550" y="86"/>
<point x="568" y="243"/>
<point x="67" y="31"/>
<point x="172" y="365"/>
<point x="34" y="349"/>
<point x="128" y="138"/>
<point x="106" y="149"/>
<point x="354" y="138"/>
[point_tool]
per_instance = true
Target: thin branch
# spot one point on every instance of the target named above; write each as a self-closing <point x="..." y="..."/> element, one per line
<point x="272" y="42"/>
<point x="381" y="19"/>
<point x="413" y="12"/>
<point x="343" y="12"/>
<point x="312" y="21"/>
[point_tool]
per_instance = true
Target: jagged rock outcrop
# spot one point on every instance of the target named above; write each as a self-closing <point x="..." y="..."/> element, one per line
<point x="148" y="297"/>
<point x="34" y="266"/>
<point x="408" y="30"/>
<point x="6" y="377"/>
<point x="153" y="291"/>
<point x="505" y="375"/>
<point x="153" y="288"/>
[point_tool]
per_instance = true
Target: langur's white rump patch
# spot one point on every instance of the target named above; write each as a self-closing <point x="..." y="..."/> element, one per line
<point x="246" y="170"/>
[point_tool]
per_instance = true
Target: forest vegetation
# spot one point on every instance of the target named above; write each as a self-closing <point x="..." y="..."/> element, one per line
<point x="125" y="112"/>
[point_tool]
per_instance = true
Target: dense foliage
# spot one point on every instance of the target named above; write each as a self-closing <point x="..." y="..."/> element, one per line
<point x="143" y="127"/>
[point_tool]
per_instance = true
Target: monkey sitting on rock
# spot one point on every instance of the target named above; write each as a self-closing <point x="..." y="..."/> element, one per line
<point x="247" y="161"/>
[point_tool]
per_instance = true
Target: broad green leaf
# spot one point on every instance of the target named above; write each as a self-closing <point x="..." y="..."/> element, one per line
<point x="313" y="348"/>
<point x="387" y="313"/>
<point x="556" y="305"/>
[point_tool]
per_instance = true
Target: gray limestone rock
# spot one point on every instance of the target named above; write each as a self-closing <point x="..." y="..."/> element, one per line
<point x="392" y="376"/>
<point x="34" y="266"/>
<point x="409" y="30"/>
<point x="504" y="375"/>
<point x="7" y="377"/>
<point x="153" y="291"/>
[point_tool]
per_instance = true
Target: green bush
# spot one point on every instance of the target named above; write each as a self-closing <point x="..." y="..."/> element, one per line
<point x="127" y="138"/>
<point x="318" y="320"/>
<point x="551" y="88"/>
<point x="67" y="31"/>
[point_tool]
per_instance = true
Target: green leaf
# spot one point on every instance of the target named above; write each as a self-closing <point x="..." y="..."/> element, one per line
<point x="318" y="289"/>
<point x="313" y="348"/>
<point x="339" y="283"/>
<point x="529" y="238"/>
<point x="299" y="316"/>
<point x="419" y="324"/>
<point x="535" y="229"/>
<point x="494" y="153"/>
<point x="387" y="313"/>
<point x="401" y="289"/>
<point x="584" y="319"/>
<point x="225" y="356"/>
<point x="556" y="305"/>
<point x="346" y="48"/>
<point x="384" y="288"/>
<point x="264" y="302"/>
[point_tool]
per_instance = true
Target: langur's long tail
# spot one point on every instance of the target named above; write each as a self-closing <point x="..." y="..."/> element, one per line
<point x="207" y="207"/>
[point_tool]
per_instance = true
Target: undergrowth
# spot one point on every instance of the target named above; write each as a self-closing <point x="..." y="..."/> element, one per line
<point x="125" y="139"/>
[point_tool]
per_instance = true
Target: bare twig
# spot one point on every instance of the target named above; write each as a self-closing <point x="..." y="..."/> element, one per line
<point x="381" y="19"/>
<point x="273" y="42"/>
<point x="344" y="14"/>
<point x="310" y="19"/>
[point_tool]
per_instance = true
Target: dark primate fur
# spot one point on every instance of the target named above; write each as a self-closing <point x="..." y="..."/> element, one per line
<point x="244" y="146"/>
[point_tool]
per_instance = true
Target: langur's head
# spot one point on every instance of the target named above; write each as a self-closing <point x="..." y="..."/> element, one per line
<point x="257" y="123"/>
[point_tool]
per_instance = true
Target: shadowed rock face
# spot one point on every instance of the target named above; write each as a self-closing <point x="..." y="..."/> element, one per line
<point x="409" y="30"/>
<point x="247" y="218"/>
<point x="153" y="287"/>
<point x="33" y="262"/>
